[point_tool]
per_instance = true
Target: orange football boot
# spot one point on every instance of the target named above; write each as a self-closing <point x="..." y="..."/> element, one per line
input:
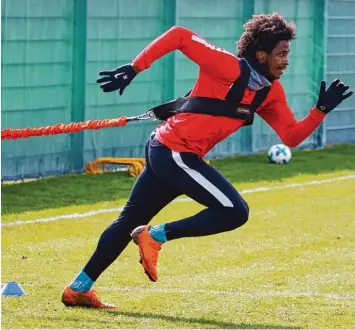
<point x="148" y="250"/>
<point x="88" y="299"/>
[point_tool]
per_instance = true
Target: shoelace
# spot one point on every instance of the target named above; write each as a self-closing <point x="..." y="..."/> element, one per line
<point x="94" y="296"/>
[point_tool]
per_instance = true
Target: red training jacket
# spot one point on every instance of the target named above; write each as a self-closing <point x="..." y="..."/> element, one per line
<point x="199" y="133"/>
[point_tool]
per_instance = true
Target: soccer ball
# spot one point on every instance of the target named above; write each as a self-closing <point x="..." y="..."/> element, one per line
<point x="279" y="154"/>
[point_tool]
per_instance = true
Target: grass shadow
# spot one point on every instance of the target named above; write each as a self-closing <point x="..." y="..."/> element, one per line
<point x="195" y="322"/>
<point x="254" y="168"/>
<point x="87" y="189"/>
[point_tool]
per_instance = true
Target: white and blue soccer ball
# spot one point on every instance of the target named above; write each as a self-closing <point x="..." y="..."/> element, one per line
<point x="279" y="154"/>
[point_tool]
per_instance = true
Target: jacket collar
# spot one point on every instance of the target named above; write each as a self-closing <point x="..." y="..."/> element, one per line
<point x="262" y="69"/>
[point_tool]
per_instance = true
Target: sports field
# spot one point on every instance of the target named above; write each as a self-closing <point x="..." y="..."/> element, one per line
<point x="290" y="267"/>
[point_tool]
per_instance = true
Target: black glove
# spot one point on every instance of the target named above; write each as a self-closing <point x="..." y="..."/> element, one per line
<point x="119" y="78"/>
<point x="333" y="96"/>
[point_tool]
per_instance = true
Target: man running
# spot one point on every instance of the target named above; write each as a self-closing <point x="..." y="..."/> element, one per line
<point x="228" y="91"/>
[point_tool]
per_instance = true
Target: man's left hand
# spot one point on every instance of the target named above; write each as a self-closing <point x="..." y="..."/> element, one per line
<point x="330" y="98"/>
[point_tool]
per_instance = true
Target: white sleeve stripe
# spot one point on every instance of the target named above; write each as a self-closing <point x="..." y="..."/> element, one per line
<point x="208" y="45"/>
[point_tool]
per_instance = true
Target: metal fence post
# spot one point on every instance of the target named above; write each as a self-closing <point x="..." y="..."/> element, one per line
<point x="320" y="57"/>
<point x="247" y="137"/>
<point x="169" y="59"/>
<point x="78" y="81"/>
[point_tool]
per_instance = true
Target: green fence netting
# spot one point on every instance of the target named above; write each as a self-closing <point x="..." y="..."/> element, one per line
<point x="52" y="51"/>
<point x="340" y="63"/>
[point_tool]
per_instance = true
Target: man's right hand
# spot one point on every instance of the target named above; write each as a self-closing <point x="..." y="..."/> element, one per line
<point x="119" y="78"/>
<point x="330" y="98"/>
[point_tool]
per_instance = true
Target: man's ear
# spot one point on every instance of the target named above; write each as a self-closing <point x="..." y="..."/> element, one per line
<point x="261" y="56"/>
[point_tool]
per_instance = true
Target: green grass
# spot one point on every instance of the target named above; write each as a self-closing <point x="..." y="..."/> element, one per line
<point x="86" y="189"/>
<point x="290" y="267"/>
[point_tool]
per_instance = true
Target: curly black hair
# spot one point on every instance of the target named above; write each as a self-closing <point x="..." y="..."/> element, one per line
<point x="263" y="32"/>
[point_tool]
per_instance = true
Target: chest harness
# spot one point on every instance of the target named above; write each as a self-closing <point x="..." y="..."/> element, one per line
<point x="230" y="107"/>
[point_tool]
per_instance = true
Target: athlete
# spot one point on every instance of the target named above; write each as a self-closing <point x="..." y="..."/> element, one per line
<point x="228" y="91"/>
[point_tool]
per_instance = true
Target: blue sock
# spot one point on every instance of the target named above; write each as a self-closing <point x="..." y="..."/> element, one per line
<point x="82" y="283"/>
<point x="158" y="233"/>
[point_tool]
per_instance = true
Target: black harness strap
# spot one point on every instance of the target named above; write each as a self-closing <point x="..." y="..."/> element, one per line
<point x="260" y="97"/>
<point x="202" y="105"/>
<point x="236" y="92"/>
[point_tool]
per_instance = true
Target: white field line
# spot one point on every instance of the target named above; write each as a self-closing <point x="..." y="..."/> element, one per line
<point x="180" y="200"/>
<point x="256" y="295"/>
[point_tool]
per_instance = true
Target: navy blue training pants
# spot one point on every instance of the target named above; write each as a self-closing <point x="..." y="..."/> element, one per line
<point x="167" y="175"/>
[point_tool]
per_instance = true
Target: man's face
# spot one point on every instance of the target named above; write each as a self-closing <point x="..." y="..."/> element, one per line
<point x="277" y="60"/>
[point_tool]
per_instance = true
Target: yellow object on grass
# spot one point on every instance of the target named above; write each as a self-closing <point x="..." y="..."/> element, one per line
<point x="134" y="165"/>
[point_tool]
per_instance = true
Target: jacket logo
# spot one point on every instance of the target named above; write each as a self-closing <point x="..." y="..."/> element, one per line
<point x="243" y="110"/>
